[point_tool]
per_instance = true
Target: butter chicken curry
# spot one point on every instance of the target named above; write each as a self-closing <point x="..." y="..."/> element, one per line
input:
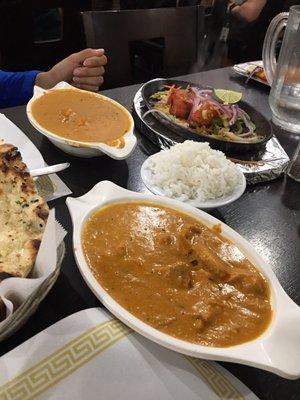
<point x="177" y="275"/>
<point x="81" y="116"/>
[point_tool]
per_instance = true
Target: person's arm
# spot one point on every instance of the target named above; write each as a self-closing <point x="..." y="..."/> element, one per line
<point x="16" y="87"/>
<point x="250" y="10"/>
<point x="84" y="70"/>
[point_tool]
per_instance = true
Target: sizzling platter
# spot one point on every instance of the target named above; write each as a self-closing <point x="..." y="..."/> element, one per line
<point x="196" y="106"/>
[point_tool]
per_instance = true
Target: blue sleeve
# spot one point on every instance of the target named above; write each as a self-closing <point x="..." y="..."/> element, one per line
<point x="16" y="88"/>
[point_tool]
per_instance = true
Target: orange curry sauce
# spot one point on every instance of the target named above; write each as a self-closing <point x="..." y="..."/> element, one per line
<point x="177" y="275"/>
<point x="81" y="116"/>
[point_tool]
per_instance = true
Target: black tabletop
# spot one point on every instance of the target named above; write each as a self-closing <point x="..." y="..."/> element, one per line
<point x="267" y="215"/>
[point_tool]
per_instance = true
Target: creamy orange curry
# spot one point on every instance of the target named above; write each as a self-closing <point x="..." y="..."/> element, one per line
<point x="81" y="116"/>
<point x="177" y="275"/>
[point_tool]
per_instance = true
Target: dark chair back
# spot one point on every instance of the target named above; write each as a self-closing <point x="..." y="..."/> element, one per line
<point x="118" y="32"/>
<point x="21" y="22"/>
<point x="134" y="4"/>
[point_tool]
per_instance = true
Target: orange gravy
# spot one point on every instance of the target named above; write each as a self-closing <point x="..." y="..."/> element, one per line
<point x="177" y="275"/>
<point x="81" y="116"/>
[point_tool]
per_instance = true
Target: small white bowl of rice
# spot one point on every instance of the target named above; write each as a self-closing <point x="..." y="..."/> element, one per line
<point x="194" y="173"/>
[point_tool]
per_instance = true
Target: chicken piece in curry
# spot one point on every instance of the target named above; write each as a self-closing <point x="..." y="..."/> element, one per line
<point x="177" y="275"/>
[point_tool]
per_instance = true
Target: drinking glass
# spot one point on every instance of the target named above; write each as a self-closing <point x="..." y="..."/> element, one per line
<point x="284" y="75"/>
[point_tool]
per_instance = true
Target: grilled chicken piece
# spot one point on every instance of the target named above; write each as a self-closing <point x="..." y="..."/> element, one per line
<point x="203" y="114"/>
<point x="181" y="102"/>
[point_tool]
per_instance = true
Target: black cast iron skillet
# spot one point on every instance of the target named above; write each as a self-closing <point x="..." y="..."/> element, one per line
<point x="263" y="127"/>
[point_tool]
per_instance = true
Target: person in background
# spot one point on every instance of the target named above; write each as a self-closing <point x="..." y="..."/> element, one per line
<point x="84" y="70"/>
<point x="249" y="10"/>
<point x="249" y="23"/>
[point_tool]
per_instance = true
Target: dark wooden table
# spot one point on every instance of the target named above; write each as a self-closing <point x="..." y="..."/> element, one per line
<point x="268" y="215"/>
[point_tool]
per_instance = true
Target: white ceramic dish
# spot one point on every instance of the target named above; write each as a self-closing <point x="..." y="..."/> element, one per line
<point x="146" y="175"/>
<point x="10" y="133"/>
<point x="276" y="350"/>
<point x="84" y="149"/>
<point x="242" y="69"/>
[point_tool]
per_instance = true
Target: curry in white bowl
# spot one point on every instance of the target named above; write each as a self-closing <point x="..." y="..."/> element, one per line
<point x="81" y="116"/>
<point x="177" y="275"/>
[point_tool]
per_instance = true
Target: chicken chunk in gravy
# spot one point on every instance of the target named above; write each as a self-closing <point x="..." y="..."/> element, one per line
<point x="176" y="274"/>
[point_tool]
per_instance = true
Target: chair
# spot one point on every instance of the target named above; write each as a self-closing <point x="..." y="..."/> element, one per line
<point x="23" y="26"/>
<point x="105" y="5"/>
<point x="214" y="20"/>
<point x="169" y="38"/>
<point x="134" y="4"/>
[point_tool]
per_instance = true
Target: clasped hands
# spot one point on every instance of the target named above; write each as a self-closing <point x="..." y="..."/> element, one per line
<point x="83" y="70"/>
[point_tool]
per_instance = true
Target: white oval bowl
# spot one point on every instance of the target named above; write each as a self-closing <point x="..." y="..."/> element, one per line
<point x="276" y="350"/>
<point x="237" y="192"/>
<point x="80" y="148"/>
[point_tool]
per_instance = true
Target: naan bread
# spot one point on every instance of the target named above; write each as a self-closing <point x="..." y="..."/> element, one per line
<point x="23" y="215"/>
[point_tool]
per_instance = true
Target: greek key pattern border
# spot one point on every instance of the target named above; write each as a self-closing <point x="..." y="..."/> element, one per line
<point x="52" y="369"/>
<point x="66" y="360"/>
<point x="218" y="382"/>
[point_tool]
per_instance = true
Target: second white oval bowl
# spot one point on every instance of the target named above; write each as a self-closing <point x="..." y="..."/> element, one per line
<point x="80" y="148"/>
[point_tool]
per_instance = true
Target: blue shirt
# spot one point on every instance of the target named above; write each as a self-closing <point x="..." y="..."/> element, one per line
<point x="16" y="88"/>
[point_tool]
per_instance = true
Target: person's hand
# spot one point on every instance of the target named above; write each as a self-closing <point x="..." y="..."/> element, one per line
<point x="89" y="72"/>
<point x="230" y="5"/>
<point x="84" y="70"/>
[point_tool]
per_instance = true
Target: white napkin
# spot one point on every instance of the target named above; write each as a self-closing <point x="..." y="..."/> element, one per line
<point x="90" y="355"/>
<point x="15" y="291"/>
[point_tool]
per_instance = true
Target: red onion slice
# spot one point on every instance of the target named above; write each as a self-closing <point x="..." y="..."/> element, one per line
<point x="245" y="120"/>
<point x="244" y="113"/>
<point x="232" y="121"/>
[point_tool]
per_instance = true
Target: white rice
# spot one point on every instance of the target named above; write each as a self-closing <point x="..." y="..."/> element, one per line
<point x="192" y="170"/>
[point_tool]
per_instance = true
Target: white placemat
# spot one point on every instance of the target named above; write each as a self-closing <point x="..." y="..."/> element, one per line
<point x="90" y="355"/>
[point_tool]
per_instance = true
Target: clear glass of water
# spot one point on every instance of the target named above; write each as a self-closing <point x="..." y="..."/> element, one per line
<point x="284" y="75"/>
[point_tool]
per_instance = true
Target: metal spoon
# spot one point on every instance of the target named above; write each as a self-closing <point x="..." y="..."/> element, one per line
<point x="52" y="169"/>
